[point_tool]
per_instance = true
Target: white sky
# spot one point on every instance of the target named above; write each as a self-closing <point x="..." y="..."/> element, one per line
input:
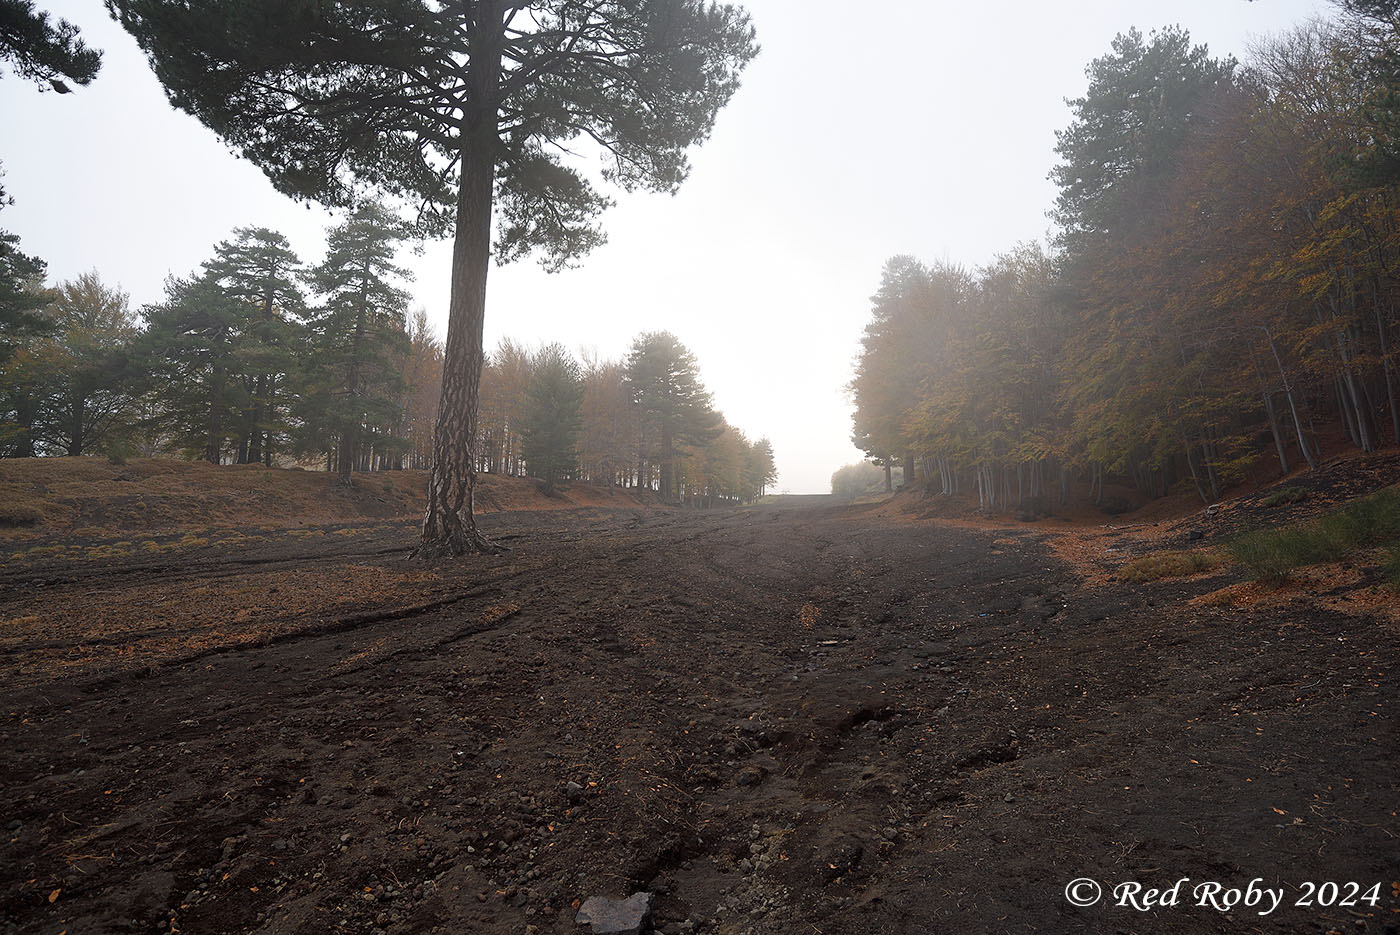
<point x="918" y="126"/>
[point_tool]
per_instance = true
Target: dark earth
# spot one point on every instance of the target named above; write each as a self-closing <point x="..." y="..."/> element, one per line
<point x="795" y="718"/>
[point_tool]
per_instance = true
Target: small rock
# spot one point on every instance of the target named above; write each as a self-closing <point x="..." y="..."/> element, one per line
<point x="14" y="825"/>
<point x="607" y="916"/>
<point x="749" y="776"/>
<point x="840" y="857"/>
<point x="1195" y="535"/>
<point x="1009" y="798"/>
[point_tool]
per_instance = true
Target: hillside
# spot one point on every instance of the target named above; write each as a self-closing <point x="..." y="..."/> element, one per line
<point x="88" y="498"/>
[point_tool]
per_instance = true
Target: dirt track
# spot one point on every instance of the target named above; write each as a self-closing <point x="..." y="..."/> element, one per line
<point x="784" y="719"/>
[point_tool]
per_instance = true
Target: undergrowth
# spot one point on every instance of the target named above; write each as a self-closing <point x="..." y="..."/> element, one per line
<point x="1362" y="524"/>
<point x="1284" y="495"/>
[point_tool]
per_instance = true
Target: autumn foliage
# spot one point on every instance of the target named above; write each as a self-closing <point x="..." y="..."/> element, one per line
<point x="1220" y="298"/>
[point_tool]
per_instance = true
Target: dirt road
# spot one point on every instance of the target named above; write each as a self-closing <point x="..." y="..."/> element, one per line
<point x="794" y="719"/>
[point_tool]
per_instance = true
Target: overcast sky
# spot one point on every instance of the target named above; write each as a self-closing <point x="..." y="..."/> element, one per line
<point x="862" y="131"/>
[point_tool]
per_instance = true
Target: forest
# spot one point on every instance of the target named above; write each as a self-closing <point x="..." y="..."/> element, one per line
<point x="507" y="684"/>
<point x="1218" y="302"/>
<point x="258" y="357"/>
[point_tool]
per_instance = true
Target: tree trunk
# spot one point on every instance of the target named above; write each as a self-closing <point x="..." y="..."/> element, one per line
<point x="75" y="440"/>
<point x="350" y="430"/>
<point x="449" y="528"/>
<point x="668" y="457"/>
<point x="1292" y="404"/>
<point x="214" y="443"/>
<point x="255" y="452"/>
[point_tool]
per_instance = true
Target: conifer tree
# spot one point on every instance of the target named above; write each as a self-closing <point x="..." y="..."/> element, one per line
<point x="190" y="348"/>
<point x="663" y="378"/>
<point x="552" y="416"/>
<point x="357" y="333"/>
<point x="464" y="110"/>
<point x="259" y="270"/>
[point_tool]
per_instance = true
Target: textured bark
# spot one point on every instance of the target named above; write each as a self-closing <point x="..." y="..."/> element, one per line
<point x="449" y="528"/>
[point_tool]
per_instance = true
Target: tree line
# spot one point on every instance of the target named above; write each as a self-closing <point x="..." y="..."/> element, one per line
<point x="645" y="421"/>
<point x="258" y="357"/>
<point x="1221" y="289"/>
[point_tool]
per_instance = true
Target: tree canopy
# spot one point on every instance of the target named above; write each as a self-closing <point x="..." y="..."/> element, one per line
<point x="42" y="51"/>
<point x="1218" y="303"/>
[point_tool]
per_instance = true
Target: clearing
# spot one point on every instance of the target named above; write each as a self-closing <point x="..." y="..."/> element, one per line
<point x="794" y="718"/>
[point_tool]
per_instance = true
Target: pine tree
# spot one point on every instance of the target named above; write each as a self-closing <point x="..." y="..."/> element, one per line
<point x="42" y="51"/>
<point x="552" y="416"/>
<point x="663" y="378"/>
<point x="461" y="109"/>
<point x="259" y="270"/>
<point x="190" y="348"/>
<point x="356" y="335"/>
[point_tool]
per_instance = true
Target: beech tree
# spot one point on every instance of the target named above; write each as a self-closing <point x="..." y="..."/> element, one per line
<point x="87" y="390"/>
<point x="422" y="389"/>
<point x="462" y="108"/>
<point x="607" y="438"/>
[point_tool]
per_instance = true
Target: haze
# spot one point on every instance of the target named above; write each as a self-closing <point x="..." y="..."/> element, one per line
<point x="927" y="130"/>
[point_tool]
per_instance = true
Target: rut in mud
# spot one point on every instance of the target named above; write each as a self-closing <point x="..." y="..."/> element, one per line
<point x="780" y="719"/>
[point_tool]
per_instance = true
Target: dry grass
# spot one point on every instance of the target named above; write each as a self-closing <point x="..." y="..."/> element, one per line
<point x="18" y="508"/>
<point x="93" y="499"/>
<point x="1167" y="565"/>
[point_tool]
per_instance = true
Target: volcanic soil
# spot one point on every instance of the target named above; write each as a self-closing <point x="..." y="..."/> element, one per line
<point x="801" y="717"/>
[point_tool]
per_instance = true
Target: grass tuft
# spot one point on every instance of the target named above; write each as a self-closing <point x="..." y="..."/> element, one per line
<point x="1391" y="568"/>
<point x="1285" y="495"/>
<point x="1166" y="565"/>
<point x="20" y="514"/>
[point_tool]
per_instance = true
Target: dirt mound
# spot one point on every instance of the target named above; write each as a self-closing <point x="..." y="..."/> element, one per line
<point x="90" y="498"/>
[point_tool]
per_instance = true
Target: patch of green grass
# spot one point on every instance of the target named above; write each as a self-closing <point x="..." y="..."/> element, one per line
<point x="1272" y="554"/>
<point x="1391" y="568"/>
<point x="1166" y="565"/>
<point x="1284" y="495"/>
